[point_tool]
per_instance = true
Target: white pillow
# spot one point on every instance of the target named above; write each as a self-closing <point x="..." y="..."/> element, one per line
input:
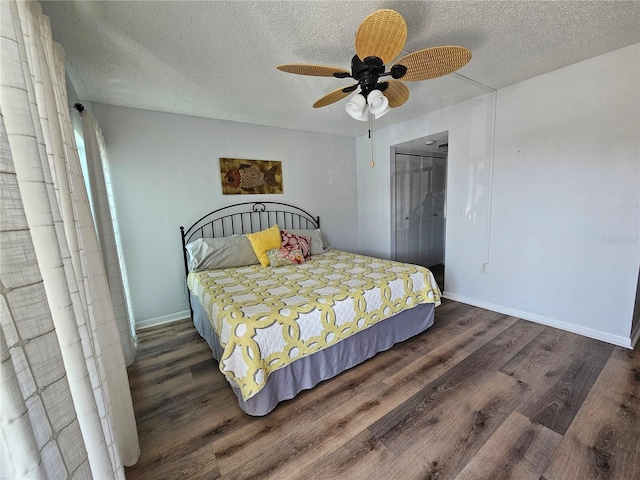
<point x="318" y="245"/>
<point x="217" y="253"/>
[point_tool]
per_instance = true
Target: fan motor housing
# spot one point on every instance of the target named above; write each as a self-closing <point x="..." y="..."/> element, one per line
<point x="367" y="73"/>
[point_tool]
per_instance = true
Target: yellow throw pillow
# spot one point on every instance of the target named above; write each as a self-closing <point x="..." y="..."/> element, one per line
<point x="263" y="241"/>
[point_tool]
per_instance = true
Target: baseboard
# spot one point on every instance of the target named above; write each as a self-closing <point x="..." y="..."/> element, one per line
<point x="154" y="322"/>
<point x="550" y="322"/>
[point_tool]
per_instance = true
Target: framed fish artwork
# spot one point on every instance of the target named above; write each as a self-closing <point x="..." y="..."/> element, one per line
<point x="241" y="176"/>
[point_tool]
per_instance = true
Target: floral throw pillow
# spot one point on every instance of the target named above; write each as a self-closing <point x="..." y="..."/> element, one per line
<point x="293" y="240"/>
<point x="290" y="255"/>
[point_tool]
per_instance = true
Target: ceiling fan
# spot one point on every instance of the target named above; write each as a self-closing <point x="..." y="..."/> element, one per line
<point x="380" y="38"/>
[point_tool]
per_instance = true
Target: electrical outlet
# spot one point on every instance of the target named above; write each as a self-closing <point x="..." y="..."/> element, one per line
<point x="484" y="267"/>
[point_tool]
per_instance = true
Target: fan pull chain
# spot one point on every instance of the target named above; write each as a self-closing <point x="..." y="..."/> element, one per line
<point x="371" y="138"/>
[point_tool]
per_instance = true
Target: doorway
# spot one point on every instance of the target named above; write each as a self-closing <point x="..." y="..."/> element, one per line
<point x="419" y="170"/>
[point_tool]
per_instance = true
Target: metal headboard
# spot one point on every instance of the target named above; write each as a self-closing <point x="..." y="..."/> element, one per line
<point x="246" y="217"/>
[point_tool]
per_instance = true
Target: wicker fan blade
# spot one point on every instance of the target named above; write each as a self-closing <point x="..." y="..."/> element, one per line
<point x="434" y="62"/>
<point x="396" y="92"/>
<point x="331" y="97"/>
<point x="313" y="70"/>
<point x="382" y="34"/>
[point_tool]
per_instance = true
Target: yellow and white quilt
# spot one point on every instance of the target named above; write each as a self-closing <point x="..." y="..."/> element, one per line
<point x="268" y="317"/>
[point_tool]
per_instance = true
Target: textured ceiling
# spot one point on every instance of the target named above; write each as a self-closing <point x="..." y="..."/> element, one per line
<point x="218" y="59"/>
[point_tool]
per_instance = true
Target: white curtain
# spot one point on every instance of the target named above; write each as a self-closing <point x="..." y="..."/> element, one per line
<point x="66" y="409"/>
<point x="104" y="214"/>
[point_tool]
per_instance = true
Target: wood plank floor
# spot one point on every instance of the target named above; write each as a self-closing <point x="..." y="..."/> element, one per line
<point x="479" y="395"/>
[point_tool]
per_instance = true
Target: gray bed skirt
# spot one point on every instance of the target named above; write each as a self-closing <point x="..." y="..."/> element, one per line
<point x="307" y="372"/>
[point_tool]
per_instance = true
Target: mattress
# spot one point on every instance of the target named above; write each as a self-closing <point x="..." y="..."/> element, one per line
<point x="268" y="318"/>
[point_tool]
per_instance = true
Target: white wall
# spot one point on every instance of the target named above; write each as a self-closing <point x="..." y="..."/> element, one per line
<point x="165" y="173"/>
<point x="555" y="210"/>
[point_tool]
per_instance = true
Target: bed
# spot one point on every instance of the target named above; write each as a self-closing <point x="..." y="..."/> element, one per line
<point x="307" y="314"/>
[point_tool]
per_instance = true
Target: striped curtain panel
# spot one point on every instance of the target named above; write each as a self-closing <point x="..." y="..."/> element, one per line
<point x="104" y="215"/>
<point x="66" y="409"/>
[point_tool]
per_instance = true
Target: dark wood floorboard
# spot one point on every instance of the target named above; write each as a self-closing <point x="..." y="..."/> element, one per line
<point x="480" y="395"/>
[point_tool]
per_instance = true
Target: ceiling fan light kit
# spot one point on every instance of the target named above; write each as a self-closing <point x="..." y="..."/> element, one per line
<point x="358" y="107"/>
<point x="379" y="39"/>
